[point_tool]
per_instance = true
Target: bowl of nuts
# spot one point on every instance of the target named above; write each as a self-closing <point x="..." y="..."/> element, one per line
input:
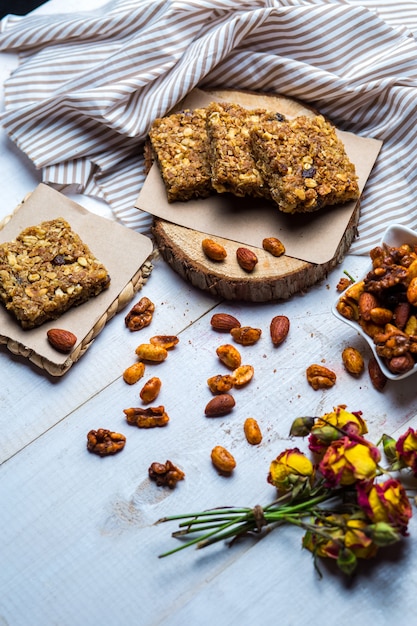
<point x="382" y="307"/>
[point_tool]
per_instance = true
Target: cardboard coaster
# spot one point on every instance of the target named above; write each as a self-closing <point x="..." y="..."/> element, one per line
<point x="125" y="253"/>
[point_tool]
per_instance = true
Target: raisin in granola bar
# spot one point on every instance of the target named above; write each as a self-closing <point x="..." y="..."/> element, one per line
<point x="179" y="145"/>
<point x="304" y="164"/>
<point x="45" y="271"/>
<point x="233" y="168"/>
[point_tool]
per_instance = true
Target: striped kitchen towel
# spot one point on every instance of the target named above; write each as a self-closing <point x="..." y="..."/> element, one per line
<point x="89" y="85"/>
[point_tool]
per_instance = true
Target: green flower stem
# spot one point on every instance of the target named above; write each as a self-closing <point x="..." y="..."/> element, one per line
<point x="225" y="523"/>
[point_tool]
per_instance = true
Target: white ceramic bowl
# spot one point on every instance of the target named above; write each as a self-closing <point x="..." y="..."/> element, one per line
<point x="395" y="235"/>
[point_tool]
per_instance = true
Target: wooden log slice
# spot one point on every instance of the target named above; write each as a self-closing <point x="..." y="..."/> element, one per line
<point x="275" y="278"/>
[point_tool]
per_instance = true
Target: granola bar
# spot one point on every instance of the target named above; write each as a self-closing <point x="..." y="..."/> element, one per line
<point x="47" y="270"/>
<point x="179" y="145"/>
<point x="304" y="164"/>
<point x="233" y="168"/>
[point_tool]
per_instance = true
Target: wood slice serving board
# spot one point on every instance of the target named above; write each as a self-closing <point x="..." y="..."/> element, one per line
<point x="276" y="278"/>
<point x="179" y="230"/>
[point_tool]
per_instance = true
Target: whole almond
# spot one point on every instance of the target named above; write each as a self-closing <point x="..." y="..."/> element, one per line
<point x="224" y="322"/>
<point x="60" y="339"/>
<point x="377" y="376"/>
<point x="367" y="302"/>
<point x="220" y="405"/>
<point x="279" y="329"/>
<point x="246" y="259"/>
<point x="213" y="250"/>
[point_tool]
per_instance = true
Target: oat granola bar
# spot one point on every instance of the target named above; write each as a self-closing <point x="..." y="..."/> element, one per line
<point x="233" y="168"/>
<point x="304" y="163"/>
<point x="179" y="145"/>
<point x="45" y="271"/>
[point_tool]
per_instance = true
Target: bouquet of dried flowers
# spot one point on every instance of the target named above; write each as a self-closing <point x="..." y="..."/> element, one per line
<point x="348" y="505"/>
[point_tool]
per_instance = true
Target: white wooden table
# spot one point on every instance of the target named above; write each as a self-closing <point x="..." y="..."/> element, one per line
<point x="78" y="544"/>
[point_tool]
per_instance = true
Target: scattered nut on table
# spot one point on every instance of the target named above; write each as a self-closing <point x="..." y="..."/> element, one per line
<point x="165" y="474"/>
<point x="377" y="376"/>
<point x="229" y="355"/>
<point x="220" y="383"/>
<point x="353" y="361"/>
<point x="105" y="442"/>
<point x="242" y="375"/>
<point x="223" y="460"/>
<point x="151" y="352"/>
<point x="140" y="315"/>
<point x="164" y="341"/>
<point x="150" y="390"/>
<point x="134" y="372"/>
<point x="220" y="405"/>
<point x="279" y="329"/>
<point x="252" y="431"/>
<point x="246" y="335"/>
<point x="151" y="417"/>
<point x="320" y="377"/>
<point x="224" y="322"/>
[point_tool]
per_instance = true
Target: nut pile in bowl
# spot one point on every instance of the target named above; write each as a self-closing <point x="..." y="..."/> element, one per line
<point x="382" y="306"/>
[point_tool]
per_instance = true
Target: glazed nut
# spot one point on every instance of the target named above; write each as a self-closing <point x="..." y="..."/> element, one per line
<point x="279" y="329"/>
<point x="150" y="352"/>
<point x="220" y="405"/>
<point x="224" y="322"/>
<point x="242" y="375"/>
<point x="380" y="315"/>
<point x="320" y="377"/>
<point x="343" y="284"/>
<point x="229" y="355"/>
<point x="105" y="442"/>
<point x="252" y="431"/>
<point x="133" y="373"/>
<point x="377" y="376"/>
<point x="150" y="390"/>
<point x="153" y="416"/>
<point x="140" y="315"/>
<point x="60" y="339"/>
<point x="402" y="314"/>
<point x="220" y="383"/>
<point x="367" y="301"/>
<point x="164" y="341"/>
<point x="213" y="250"/>
<point x="223" y="460"/>
<point x="401" y="364"/>
<point x="274" y="246"/>
<point x="247" y="259"/>
<point x="353" y="361"/>
<point x="165" y="474"/>
<point x="246" y="335"/>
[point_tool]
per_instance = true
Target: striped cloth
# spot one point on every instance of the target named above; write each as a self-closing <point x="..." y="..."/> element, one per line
<point x="89" y="85"/>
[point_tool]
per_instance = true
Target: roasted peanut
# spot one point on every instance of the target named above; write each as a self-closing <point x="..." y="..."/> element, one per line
<point x="242" y="375"/>
<point x="353" y="361"/>
<point x="279" y="329"/>
<point x="274" y="246"/>
<point x="105" y="442"/>
<point x="320" y="377"/>
<point x="133" y="373"/>
<point x="213" y="250"/>
<point x="252" y="431"/>
<point x="140" y="315"/>
<point x="165" y="474"/>
<point x="150" y="390"/>
<point x="165" y="341"/>
<point x="380" y="315"/>
<point x="224" y="322"/>
<point x="229" y="356"/>
<point x="150" y="352"/>
<point x="246" y="335"/>
<point x="220" y="383"/>
<point x="412" y="292"/>
<point x="220" y="405"/>
<point x="411" y="325"/>
<point x="223" y="460"/>
<point x="147" y="418"/>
